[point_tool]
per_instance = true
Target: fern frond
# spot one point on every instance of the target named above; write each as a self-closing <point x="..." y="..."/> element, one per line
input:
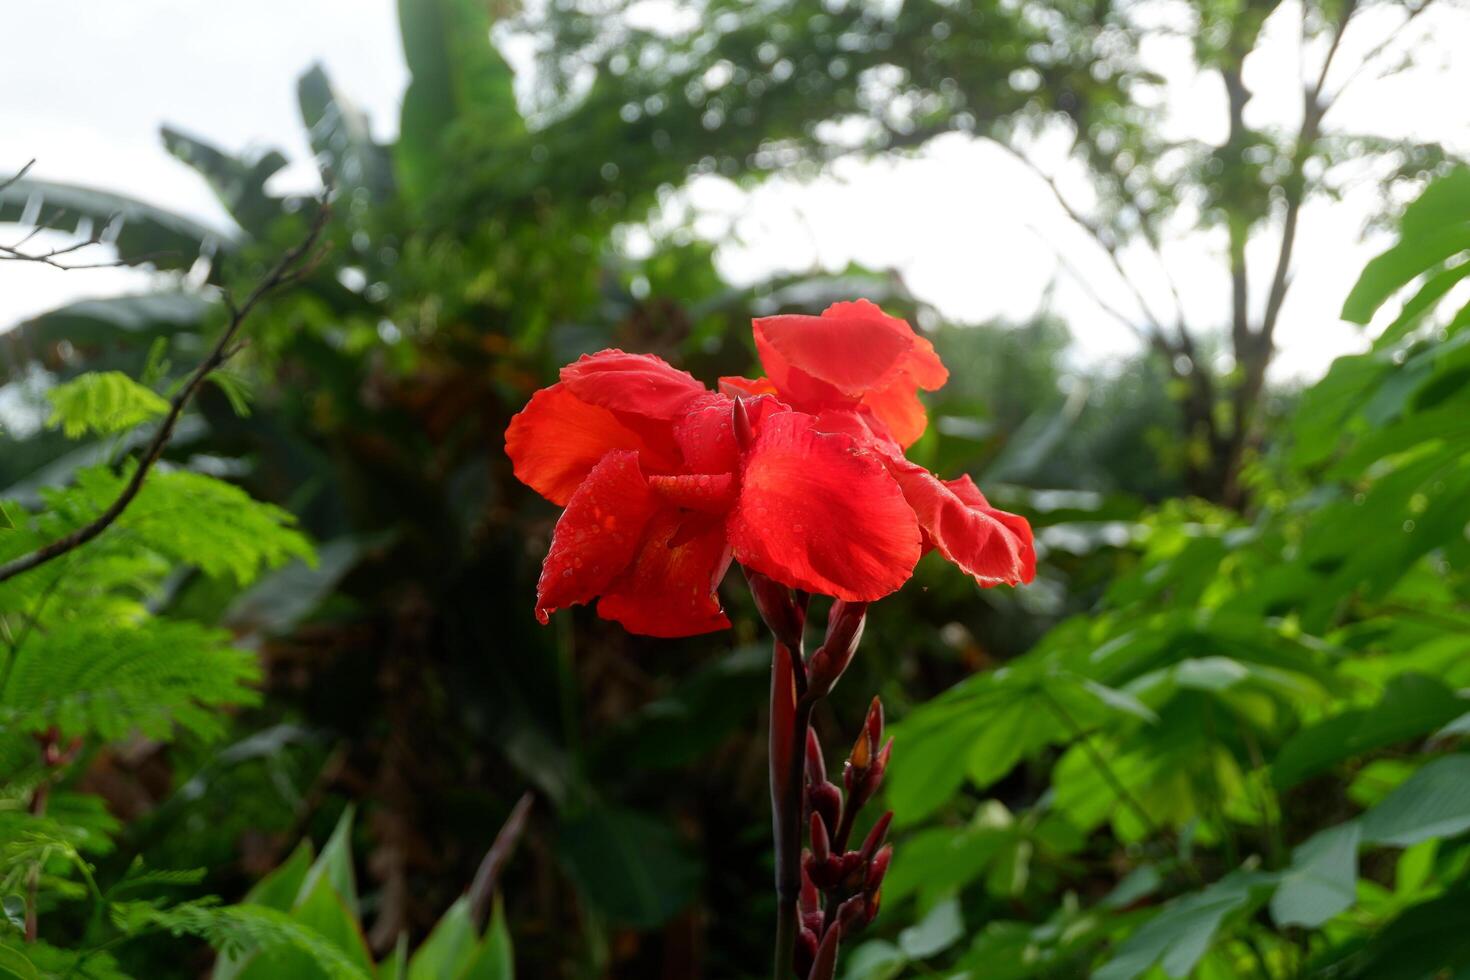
<point x="53" y="963"/>
<point x="192" y="519"/>
<point x="110" y="682"/>
<point x="138" y="877"/>
<point x="102" y="402"/>
<point x="238" y="929"/>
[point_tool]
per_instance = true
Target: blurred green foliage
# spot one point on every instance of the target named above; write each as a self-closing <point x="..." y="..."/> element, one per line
<point x="1209" y="739"/>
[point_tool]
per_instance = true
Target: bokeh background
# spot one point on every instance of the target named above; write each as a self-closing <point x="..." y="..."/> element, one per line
<point x="1128" y="227"/>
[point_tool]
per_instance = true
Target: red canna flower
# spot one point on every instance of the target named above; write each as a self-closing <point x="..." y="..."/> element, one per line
<point x="800" y="477"/>
<point x="859" y="370"/>
<point x="661" y="492"/>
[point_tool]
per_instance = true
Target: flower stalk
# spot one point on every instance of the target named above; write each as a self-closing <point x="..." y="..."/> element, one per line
<point x="824" y="892"/>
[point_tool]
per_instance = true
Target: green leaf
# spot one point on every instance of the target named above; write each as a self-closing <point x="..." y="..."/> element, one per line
<point x="1322" y="880"/>
<point x="940" y="929"/>
<point x="632" y="868"/>
<point x="1178" y="936"/>
<point x="97" y="322"/>
<point x="1434" y="228"/>
<point x="14" y="965"/>
<point x="457" y="76"/>
<point x="449" y="947"/>
<point x="335" y="865"/>
<point x="165" y="239"/>
<point x="340" y="136"/>
<point x="1424" y="941"/>
<point x="1434" y="802"/>
<point x="494" y="958"/>
<point x="876" y="959"/>
<point x="6" y="524"/>
<point x="103" y="403"/>
<point x="110" y="681"/>
<point x="239" y="183"/>
<point x="1412" y="705"/>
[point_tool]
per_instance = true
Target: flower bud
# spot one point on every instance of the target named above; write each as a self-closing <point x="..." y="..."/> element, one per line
<point x="816" y="768"/>
<point x="826" y="799"/>
<point x="877" y="868"/>
<point x="808" y="900"/>
<point x="821" y="845"/>
<point x="852" y="913"/>
<point x="875" y="836"/>
<point x="806" y="952"/>
<point x="773" y="601"/>
<point x="824" y="964"/>
<point x="740" y="420"/>
<point x="874" y="900"/>
<point x="844" y="631"/>
<point x="865" y="764"/>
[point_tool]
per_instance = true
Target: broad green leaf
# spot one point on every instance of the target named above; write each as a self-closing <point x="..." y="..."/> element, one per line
<point x="162" y="238"/>
<point x="395" y="967"/>
<point x="1435" y="227"/>
<point x="239" y="183"/>
<point x="1179" y="935"/>
<point x="937" y="931"/>
<point x="448" y="949"/>
<point x="102" y="403"/>
<point x="494" y="959"/>
<point x="278" y="891"/>
<point x="1426" y="940"/>
<point x="6" y="524"/>
<point x="457" y="75"/>
<point x="876" y="959"/>
<point x="1434" y="802"/>
<point x="1140" y="883"/>
<point x="1322" y="880"/>
<point x="280" y="888"/>
<point x="96" y="322"/>
<point x="1412" y="705"/>
<point x="335" y="865"/>
<point x="340" y="136"/>
<point x="633" y="869"/>
<point x="14" y="965"/>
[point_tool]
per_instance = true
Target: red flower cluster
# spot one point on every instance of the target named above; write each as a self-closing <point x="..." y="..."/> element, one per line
<point x="799" y="476"/>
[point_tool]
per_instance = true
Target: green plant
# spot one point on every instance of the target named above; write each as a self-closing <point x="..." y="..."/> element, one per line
<point x="1252" y="750"/>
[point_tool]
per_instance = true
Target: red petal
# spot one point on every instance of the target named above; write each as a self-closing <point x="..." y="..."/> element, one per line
<point x="670" y="588"/>
<point x="598" y="534"/>
<point x="638" y="384"/>
<point x="817" y="513"/>
<point x="854" y="347"/>
<point x="991" y="545"/>
<point x="925" y="367"/>
<point x="706" y="435"/>
<point x="750" y="387"/>
<point x="706" y="439"/>
<point x="899" y="408"/>
<point x="711" y="493"/>
<point x="557" y="438"/>
<point x="853" y="351"/>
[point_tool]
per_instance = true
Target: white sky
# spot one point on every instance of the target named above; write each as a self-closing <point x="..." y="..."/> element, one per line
<point x="85" y="84"/>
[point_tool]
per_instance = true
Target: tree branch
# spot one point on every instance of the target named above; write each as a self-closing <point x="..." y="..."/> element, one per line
<point x="6" y="183"/>
<point x="291" y="267"/>
<point x="1103" y="240"/>
<point x="1313" y="109"/>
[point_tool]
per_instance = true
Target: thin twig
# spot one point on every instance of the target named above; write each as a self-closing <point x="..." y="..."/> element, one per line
<point x="1110" y="777"/>
<point x="5" y="185"/>
<point x="487" y="877"/>
<point x="295" y="263"/>
<point x="1097" y="233"/>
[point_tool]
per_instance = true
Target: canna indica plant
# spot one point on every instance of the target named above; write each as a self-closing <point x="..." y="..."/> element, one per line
<point x="799" y="476"/>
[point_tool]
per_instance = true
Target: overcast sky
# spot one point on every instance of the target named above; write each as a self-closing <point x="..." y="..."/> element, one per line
<point x="87" y="83"/>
